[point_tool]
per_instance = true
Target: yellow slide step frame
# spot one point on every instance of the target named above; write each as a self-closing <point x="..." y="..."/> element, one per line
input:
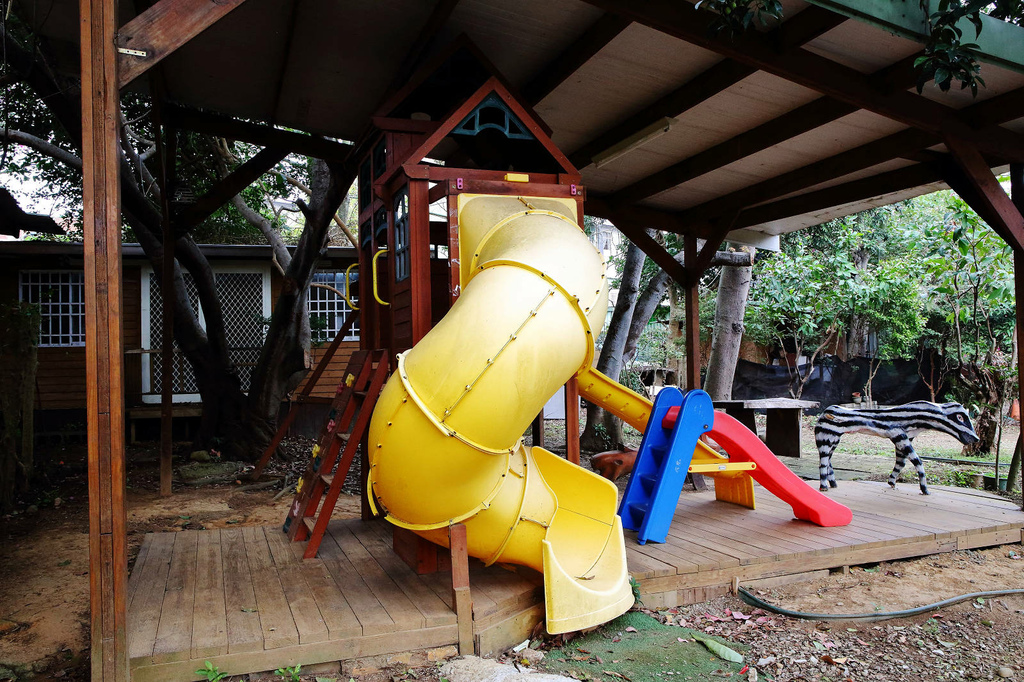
<point x="733" y="482"/>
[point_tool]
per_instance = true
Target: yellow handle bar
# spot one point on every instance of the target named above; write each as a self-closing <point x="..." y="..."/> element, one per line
<point x="373" y="263"/>
<point x="348" y="300"/>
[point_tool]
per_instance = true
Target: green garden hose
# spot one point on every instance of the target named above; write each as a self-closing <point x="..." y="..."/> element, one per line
<point x="881" y="615"/>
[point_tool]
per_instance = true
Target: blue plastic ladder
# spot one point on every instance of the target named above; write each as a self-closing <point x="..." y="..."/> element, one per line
<point x="662" y="462"/>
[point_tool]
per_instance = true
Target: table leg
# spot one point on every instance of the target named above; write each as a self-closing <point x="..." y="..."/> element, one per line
<point x="782" y="434"/>
<point x="743" y="416"/>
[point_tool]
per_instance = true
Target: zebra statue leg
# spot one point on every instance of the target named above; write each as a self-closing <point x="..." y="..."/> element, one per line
<point x="904" y="451"/>
<point x="826" y="443"/>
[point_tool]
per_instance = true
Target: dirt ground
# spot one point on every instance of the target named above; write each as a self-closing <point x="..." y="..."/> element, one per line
<point x="44" y="579"/>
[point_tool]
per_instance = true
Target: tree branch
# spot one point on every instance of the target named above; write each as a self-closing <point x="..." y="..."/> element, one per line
<point x="42" y="146"/>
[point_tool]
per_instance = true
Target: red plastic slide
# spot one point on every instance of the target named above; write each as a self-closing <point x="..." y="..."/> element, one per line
<point x="807" y="503"/>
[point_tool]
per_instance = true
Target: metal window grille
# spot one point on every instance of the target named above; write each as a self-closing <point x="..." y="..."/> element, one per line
<point x="60" y="296"/>
<point x="329" y="306"/>
<point x="402" y="235"/>
<point x="241" y="300"/>
<point x="183" y="378"/>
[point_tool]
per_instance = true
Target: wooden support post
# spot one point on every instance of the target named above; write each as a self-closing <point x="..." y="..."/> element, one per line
<point x="462" y="601"/>
<point x="1017" y="195"/>
<point x="365" y="512"/>
<point x="538" y="429"/>
<point x="104" y="350"/>
<point x="572" y="420"/>
<point x="691" y="330"/>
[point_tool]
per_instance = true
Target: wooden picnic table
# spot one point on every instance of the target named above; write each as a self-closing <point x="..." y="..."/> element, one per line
<point x="782" y="432"/>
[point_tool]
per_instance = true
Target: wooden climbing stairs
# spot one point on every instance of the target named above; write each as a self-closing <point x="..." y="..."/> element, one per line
<point x="316" y="493"/>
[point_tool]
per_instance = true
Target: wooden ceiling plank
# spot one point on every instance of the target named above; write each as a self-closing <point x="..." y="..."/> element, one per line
<point x="989" y="199"/>
<point x="906" y="143"/>
<point x="683" y="21"/>
<point x="801" y="29"/>
<point x="161" y="30"/>
<point x="850" y="192"/>
<point x="560" y="69"/>
<point x="256" y="133"/>
<point x="435" y="22"/>
<point x="228" y="187"/>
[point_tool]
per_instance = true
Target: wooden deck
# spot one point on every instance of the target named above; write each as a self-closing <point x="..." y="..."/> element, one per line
<point x="245" y="600"/>
<point x="710" y="544"/>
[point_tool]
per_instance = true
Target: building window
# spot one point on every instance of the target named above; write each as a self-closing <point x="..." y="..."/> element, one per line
<point x="244" y="294"/>
<point x="328" y="311"/>
<point x="402" y="235"/>
<point x="60" y="296"/>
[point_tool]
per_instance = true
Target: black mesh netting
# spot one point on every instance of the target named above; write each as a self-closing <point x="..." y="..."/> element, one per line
<point x="834" y="381"/>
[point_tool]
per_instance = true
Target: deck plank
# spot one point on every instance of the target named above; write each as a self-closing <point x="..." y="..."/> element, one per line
<point x="137" y="569"/>
<point x="209" y="618"/>
<point x="434" y="611"/>
<point x="309" y="622"/>
<point x="144" y="619"/>
<point x="402" y="611"/>
<point x="174" y="634"/>
<point x="241" y="610"/>
<point x="276" y="621"/>
<point x="372" y="616"/>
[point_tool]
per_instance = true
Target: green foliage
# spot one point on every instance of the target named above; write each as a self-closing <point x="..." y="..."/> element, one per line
<point x="211" y="673"/>
<point x="291" y="673"/>
<point x="733" y="17"/>
<point x="891" y="300"/>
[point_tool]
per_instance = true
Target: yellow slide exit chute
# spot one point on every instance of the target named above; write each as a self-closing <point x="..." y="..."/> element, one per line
<point x="446" y="435"/>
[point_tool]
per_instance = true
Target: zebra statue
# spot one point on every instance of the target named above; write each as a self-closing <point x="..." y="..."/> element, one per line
<point x="900" y="424"/>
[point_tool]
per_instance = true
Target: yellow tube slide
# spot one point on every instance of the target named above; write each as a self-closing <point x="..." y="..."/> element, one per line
<point x="446" y="436"/>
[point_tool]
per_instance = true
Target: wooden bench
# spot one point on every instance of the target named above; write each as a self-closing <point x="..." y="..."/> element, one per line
<point x="134" y="414"/>
<point x="782" y="432"/>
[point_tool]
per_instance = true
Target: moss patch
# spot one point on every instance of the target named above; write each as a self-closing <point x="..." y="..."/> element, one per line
<point x="638" y="648"/>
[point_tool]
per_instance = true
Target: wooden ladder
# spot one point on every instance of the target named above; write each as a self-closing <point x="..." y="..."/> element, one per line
<point x="348" y="422"/>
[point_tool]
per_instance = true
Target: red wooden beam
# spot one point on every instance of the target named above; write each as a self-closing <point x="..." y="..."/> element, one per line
<point x="104" y="349"/>
<point x="683" y="21"/>
<point x="162" y="29"/>
<point x="801" y="29"/>
<point x="989" y="198"/>
<point x="578" y="53"/>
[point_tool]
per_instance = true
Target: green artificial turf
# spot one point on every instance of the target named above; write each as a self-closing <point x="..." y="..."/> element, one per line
<point x="649" y="654"/>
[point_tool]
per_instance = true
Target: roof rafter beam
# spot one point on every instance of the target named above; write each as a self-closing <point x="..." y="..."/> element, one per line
<point x="256" y="133"/>
<point x="781" y="128"/>
<point x="560" y="69"/>
<point x="907" y="144"/>
<point x="683" y="21"/>
<point x="801" y="29"/>
<point x="847" y="193"/>
<point x="228" y="187"/>
<point x="162" y="29"/>
<point x="435" y="22"/>
<point x="987" y="196"/>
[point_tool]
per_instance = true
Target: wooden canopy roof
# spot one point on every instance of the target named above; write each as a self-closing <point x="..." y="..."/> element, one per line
<point x="772" y="132"/>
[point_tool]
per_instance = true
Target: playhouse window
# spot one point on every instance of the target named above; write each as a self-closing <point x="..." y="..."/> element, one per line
<point x="60" y="296"/>
<point x="328" y="311"/>
<point x="402" y="235"/>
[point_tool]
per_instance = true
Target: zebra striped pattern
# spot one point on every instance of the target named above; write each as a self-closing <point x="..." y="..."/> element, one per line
<point x="900" y="424"/>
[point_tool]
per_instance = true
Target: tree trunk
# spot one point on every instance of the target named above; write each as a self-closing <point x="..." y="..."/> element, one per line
<point x="285" y="356"/>
<point x="857" y="336"/>
<point x="730" y="307"/>
<point x="646" y="304"/>
<point x="610" y="360"/>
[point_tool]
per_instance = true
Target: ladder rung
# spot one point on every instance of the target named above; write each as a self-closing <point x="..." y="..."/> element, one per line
<point x="327" y="479"/>
<point x="309" y="522"/>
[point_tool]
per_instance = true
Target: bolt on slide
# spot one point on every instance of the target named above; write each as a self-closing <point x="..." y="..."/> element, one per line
<point x="446" y="436"/>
